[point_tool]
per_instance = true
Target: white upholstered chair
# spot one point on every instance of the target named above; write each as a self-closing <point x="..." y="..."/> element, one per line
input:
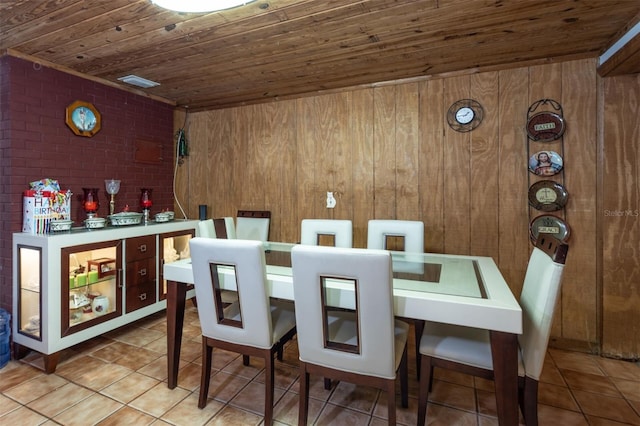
<point x="224" y="227"/>
<point x="340" y="230"/>
<point x="255" y="325"/>
<point x="412" y="234"/>
<point x="219" y="228"/>
<point x="412" y="231"/>
<point x="469" y="349"/>
<point x="354" y="338"/>
<point x="206" y="229"/>
<point x="253" y="225"/>
<point x="230" y="227"/>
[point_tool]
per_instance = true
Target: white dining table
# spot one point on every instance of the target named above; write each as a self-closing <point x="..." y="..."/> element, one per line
<point x="453" y="289"/>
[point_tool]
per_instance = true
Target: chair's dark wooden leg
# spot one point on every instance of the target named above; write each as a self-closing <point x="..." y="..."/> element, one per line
<point x="245" y="359"/>
<point x="529" y="403"/>
<point x="504" y="351"/>
<point x="327" y="383"/>
<point x="303" y="403"/>
<point x="391" y="402"/>
<point x="431" y="379"/>
<point x="279" y="352"/>
<point x="419" y="328"/>
<point x="426" y="370"/>
<point x="404" y="379"/>
<point x="269" y="383"/>
<point x="205" y="377"/>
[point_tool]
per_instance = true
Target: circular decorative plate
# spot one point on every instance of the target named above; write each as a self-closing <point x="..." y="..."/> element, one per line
<point x="465" y="115"/>
<point x="545" y="163"/>
<point x="545" y="126"/>
<point x="548" y="196"/>
<point x="549" y="224"/>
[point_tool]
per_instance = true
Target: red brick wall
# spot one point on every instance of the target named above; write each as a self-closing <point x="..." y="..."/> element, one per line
<point x="36" y="143"/>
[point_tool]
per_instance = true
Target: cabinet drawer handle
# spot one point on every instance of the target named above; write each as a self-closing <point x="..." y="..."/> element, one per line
<point x="143" y="296"/>
<point x="142" y="248"/>
<point x="142" y="272"/>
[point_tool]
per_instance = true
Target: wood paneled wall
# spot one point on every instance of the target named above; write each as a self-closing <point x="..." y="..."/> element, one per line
<point x="387" y="152"/>
<point x="621" y="217"/>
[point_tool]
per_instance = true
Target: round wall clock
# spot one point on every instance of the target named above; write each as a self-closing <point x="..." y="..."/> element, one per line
<point x="83" y="119"/>
<point x="465" y="115"/>
<point x="549" y="224"/>
<point x="547" y="196"/>
<point x="545" y="126"/>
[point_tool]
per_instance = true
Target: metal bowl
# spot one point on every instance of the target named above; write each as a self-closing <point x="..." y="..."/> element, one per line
<point x="60" y="225"/>
<point x="125" y="218"/>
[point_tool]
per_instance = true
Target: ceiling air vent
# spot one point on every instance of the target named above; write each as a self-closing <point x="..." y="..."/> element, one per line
<point x="138" y="81"/>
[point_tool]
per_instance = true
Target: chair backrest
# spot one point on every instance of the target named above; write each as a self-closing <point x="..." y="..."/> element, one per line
<point x="207" y="229"/>
<point x="253" y="225"/>
<point x="412" y="232"/>
<point x="230" y="227"/>
<point x="341" y="230"/>
<point x="221" y="231"/>
<point x="317" y="272"/>
<point x="225" y="227"/>
<point x="232" y="264"/>
<point x="540" y="292"/>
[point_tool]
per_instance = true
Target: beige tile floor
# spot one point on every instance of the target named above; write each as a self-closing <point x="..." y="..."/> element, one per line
<point x="120" y="379"/>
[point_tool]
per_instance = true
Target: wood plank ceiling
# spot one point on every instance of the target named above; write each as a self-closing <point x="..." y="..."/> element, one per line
<point x="275" y="49"/>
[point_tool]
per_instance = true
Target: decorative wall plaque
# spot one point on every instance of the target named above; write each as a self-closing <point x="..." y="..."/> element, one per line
<point x="549" y="224"/>
<point x="545" y="163"/>
<point x="545" y="126"/>
<point x="547" y="196"/>
<point x="83" y="119"/>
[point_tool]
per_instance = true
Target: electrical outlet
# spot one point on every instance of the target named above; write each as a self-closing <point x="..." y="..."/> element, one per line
<point x="331" y="202"/>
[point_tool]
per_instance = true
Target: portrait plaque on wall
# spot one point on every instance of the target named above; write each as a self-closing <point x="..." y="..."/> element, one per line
<point x="545" y="163"/>
<point x="83" y="119"/>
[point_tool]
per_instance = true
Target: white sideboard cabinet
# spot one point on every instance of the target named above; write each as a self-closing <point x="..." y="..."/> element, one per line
<point x="71" y="286"/>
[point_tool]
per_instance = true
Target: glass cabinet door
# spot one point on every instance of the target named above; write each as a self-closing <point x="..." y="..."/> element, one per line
<point x="173" y="246"/>
<point x="30" y="291"/>
<point x="91" y="285"/>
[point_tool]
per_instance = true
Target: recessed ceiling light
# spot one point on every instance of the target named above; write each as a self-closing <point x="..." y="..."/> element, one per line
<point x="138" y="81"/>
<point x="199" y="6"/>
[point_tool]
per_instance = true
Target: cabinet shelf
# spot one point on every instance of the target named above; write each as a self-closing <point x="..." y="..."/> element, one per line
<point x="94" y="283"/>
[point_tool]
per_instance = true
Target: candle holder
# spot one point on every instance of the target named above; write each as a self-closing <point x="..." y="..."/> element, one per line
<point x="113" y="187"/>
<point x="145" y="202"/>
<point x="90" y="202"/>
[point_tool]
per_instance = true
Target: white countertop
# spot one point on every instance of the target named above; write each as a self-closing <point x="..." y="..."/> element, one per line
<point x="81" y="235"/>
